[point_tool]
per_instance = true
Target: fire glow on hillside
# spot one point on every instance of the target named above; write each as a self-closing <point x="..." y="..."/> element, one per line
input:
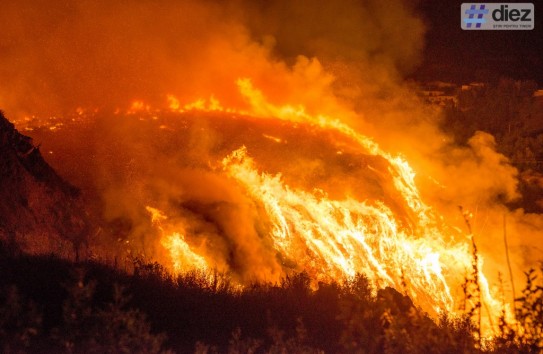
<point x="272" y="152"/>
<point x="275" y="227"/>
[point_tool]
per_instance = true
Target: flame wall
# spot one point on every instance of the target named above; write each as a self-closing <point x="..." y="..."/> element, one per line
<point x="344" y="60"/>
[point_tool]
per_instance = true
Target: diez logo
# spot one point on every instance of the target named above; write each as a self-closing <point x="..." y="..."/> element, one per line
<point x="497" y="16"/>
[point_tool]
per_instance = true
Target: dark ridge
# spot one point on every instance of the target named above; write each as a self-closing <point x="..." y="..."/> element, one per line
<point x="29" y="156"/>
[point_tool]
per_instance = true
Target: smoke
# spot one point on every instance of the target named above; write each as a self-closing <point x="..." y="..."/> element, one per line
<point x="345" y="59"/>
<point x="61" y="55"/>
<point x="56" y="56"/>
<point x="370" y="33"/>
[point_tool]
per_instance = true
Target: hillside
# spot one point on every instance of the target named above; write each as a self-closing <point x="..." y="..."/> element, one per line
<point x="39" y="211"/>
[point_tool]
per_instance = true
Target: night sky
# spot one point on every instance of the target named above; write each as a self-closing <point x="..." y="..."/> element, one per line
<point x="452" y="54"/>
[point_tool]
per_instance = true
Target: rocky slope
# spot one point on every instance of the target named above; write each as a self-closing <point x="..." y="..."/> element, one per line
<point x="39" y="211"/>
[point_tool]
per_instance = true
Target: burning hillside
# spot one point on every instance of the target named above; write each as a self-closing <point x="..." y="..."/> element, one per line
<point x="258" y="197"/>
<point x="252" y="148"/>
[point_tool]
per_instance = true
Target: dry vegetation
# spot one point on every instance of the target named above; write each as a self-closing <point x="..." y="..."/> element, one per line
<point x="53" y="305"/>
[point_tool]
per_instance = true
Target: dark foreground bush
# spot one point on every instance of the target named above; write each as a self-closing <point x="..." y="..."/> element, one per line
<point x="52" y="305"/>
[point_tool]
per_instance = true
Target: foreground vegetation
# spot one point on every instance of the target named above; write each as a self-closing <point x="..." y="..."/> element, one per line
<point x="53" y="305"/>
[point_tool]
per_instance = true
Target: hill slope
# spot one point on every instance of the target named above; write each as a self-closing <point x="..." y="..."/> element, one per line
<point x="39" y="211"/>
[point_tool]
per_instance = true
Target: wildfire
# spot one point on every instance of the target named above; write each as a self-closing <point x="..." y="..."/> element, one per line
<point x="182" y="257"/>
<point x="212" y="104"/>
<point x="335" y="239"/>
<point x="237" y="190"/>
<point x="329" y="237"/>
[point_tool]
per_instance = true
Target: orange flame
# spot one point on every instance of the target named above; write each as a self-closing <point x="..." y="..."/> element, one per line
<point x="182" y="256"/>
<point x="334" y="239"/>
<point x="339" y="238"/>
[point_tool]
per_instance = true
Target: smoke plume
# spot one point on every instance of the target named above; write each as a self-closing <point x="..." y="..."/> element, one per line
<point x="344" y="59"/>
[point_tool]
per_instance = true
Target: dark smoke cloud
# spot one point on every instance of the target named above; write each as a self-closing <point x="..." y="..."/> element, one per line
<point x="364" y="32"/>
